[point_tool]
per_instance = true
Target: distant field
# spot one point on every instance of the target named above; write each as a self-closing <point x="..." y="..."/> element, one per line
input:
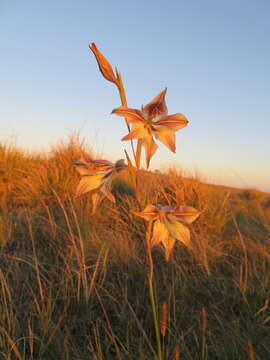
<point x="74" y="285"/>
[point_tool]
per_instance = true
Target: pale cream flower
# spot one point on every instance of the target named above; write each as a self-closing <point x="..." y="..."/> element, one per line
<point x="168" y="227"/>
<point x="152" y="121"/>
<point x="97" y="175"/>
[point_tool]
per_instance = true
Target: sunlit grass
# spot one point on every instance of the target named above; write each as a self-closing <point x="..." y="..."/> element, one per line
<point x="75" y="286"/>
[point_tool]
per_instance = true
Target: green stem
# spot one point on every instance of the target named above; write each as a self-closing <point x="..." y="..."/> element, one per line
<point x="155" y="316"/>
<point x="151" y="291"/>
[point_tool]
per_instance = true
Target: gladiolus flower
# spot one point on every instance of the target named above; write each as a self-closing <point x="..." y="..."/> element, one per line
<point x="104" y="65"/>
<point x="97" y="175"/>
<point x="152" y="121"/>
<point x="168" y="227"/>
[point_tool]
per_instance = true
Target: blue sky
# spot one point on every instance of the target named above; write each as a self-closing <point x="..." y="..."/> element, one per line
<point x="213" y="56"/>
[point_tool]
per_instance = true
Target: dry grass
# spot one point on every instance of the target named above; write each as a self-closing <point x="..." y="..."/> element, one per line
<point x="74" y="286"/>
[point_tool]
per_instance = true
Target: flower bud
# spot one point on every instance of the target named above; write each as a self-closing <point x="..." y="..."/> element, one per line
<point x="104" y="65"/>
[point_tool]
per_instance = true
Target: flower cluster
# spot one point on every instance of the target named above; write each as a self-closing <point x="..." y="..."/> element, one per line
<point x="146" y="125"/>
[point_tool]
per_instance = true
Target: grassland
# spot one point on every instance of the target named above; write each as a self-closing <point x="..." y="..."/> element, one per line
<point x="74" y="286"/>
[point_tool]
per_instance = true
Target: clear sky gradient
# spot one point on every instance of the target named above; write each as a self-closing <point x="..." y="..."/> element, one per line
<point x="213" y="55"/>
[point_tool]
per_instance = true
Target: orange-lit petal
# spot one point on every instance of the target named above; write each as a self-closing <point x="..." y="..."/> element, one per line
<point x="103" y="64"/>
<point x="179" y="231"/>
<point x="166" y="136"/>
<point x="82" y="167"/>
<point x="93" y="167"/>
<point x="150" y="148"/>
<point x="102" y="163"/>
<point x="138" y="153"/>
<point x="138" y="131"/>
<point x="174" y="122"/>
<point x="156" y="107"/>
<point x="185" y="213"/>
<point x="149" y="213"/>
<point x="168" y="245"/>
<point x="107" y="192"/>
<point x="89" y="183"/>
<point x="131" y="115"/>
<point x="90" y="170"/>
<point x="160" y="233"/>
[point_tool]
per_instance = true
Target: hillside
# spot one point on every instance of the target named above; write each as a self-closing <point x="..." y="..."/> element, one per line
<point x="74" y="284"/>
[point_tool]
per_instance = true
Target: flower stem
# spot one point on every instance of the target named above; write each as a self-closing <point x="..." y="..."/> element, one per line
<point x="155" y="316"/>
<point x="151" y="291"/>
<point x="123" y="98"/>
<point x="148" y="245"/>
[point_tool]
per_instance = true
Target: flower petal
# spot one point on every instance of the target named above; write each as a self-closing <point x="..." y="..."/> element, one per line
<point x="131" y="115"/>
<point x="179" y="231"/>
<point x="138" y="153"/>
<point x="168" y="245"/>
<point x="150" y="148"/>
<point x="160" y="234"/>
<point x="185" y="213"/>
<point x="107" y="192"/>
<point x="93" y="167"/>
<point x="149" y="213"/>
<point x="156" y="106"/>
<point x="174" y="122"/>
<point x="82" y="167"/>
<point x="138" y="131"/>
<point x="102" y="163"/>
<point x="103" y="64"/>
<point x="166" y="136"/>
<point x="89" y="183"/>
<point x="167" y="209"/>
